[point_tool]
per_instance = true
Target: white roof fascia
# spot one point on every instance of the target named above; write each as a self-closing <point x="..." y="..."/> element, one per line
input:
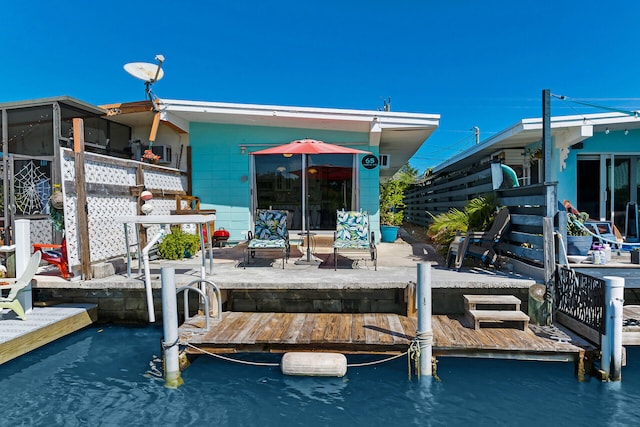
<point x="534" y="124"/>
<point x="173" y="119"/>
<point x="385" y="118"/>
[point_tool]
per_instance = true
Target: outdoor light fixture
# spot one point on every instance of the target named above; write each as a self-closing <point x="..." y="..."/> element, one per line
<point x="313" y="171"/>
<point x="626" y="131"/>
<point x="287" y="155"/>
<point x="606" y="131"/>
<point x="243" y="149"/>
<point x="281" y="169"/>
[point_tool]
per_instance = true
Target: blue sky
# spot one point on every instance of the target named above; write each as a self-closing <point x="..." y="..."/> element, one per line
<point x="477" y="63"/>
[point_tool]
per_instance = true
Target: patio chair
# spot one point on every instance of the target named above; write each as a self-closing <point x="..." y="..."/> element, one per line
<point x="270" y="234"/>
<point x="479" y="244"/>
<point x="16" y="286"/>
<point x="55" y="255"/>
<point x="352" y="235"/>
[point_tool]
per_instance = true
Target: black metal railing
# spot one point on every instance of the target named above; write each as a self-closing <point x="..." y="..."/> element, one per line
<point x="580" y="297"/>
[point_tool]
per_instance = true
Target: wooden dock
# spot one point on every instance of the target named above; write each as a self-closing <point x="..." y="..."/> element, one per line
<point x="43" y="325"/>
<point x="631" y="325"/>
<point x="375" y="333"/>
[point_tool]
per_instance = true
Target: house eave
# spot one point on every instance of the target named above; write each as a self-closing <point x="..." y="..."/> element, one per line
<point x="528" y="131"/>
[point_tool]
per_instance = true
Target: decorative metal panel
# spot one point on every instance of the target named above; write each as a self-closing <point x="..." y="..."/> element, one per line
<point x="581" y="297"/>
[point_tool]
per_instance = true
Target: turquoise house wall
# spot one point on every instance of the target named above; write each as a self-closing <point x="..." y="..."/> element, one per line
<point x="616" y="142"/>
<point x="220" y="172"/>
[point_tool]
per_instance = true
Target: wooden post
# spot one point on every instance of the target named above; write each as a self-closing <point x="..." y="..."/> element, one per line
<point x="189" y="182"/>
<point x="546" y="135"/>
<point x="549" y="267"/>
<point x="154" y="129"/>
<point x="538" y="307"/>
<point x="81" y="193"/>
<point x="142" y="232"/>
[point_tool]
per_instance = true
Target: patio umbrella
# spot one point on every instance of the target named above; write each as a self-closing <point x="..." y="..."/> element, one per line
<point x="305" y="147"/>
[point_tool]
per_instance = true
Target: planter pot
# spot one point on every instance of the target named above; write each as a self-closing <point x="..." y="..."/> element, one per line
<point x="635" y="257"/>
<point x="579" y="245"/>
<point x="388" y="233"/>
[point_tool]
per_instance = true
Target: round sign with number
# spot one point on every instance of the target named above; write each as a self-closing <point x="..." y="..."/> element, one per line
<point x="370" y="161"/>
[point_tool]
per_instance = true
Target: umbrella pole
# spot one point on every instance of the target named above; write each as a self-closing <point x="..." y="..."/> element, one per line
<point x="306" y="219"/>
<point x="306" y="190"/>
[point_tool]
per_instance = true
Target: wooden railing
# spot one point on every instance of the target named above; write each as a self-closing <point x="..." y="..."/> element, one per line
<point x="528" y="238"/>
<point x="440" y="193"/>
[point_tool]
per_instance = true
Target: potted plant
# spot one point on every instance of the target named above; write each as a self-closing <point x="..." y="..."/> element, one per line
<point x="578" y="238"/>
<point x="392" y="202"/>
<point x="178" y="244"/>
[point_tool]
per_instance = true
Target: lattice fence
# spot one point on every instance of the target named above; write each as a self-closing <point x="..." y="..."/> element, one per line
<point x="109" y="184"/>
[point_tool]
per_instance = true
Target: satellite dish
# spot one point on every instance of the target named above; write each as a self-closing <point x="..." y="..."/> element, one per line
<point x="150" y="73"/>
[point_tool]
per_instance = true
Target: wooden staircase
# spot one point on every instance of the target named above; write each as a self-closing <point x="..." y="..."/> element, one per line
<point x="494" y="316"/>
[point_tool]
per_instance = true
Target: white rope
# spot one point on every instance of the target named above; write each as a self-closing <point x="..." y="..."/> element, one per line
<point x="244" y="362"/>
<point x="376" y="362"/>
<point x="564" y="249"/>
<point x="229" y="359"/>
<point x="613" y="242"/>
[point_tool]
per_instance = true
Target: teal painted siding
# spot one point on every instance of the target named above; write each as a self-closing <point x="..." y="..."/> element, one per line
<point x="616" y="143"/>
<point x="220" y="173"/>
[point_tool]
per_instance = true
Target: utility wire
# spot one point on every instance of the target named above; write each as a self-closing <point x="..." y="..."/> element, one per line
<point x="602" y="107"/>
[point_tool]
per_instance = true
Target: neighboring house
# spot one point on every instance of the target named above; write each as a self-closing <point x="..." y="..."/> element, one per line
<point x="595" y="160"/>
<point x="32" y="133"/>
<point x="213" y="141"/>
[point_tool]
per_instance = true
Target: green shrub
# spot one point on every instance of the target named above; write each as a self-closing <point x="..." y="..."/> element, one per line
<point x="575" y="224"/>
<point x="477" y="215"/>
<point x="178" y="244"/>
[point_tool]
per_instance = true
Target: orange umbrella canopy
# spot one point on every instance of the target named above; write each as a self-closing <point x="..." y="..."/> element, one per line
<point x="309" y="146"/>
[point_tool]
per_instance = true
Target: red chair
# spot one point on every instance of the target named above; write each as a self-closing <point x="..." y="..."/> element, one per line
<point x="55" y="255"/>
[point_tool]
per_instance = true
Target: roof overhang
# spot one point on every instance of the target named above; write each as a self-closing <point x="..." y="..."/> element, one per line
<point x="67" y="100"/>
<point x="398" y="134"/>
<point x="565" y="130"/>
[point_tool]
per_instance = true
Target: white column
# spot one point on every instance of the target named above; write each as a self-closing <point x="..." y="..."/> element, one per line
<point x="425" y="331"/>
<point x="23" y="253"/>
<point x="612" y="341"/>
<point x="172" y="378"/>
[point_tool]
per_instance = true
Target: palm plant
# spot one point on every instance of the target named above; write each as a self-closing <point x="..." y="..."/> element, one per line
<point x="477" y="215"/>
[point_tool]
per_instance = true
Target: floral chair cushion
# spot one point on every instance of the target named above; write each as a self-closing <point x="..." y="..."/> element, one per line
<point x="352" y="230"/>
<point x="270" y="230"/>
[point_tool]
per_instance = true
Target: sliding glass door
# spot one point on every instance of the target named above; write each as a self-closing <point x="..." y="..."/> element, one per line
<point x="279" y="184"/>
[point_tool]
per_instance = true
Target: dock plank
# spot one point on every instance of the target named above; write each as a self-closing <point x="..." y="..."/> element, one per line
<point x="291" y="333"/>
<point x="43" y="325"/>
<point x="382" y="325"/>
<point x="275" y="329"/>
<point x="306" y="331"/>
<point x="358" y="333"/>
<point x="343" y="331"/>
<point x="372" y="333"/>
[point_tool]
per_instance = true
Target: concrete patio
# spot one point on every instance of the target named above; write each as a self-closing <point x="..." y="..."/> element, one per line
<point x="396" y="268"/>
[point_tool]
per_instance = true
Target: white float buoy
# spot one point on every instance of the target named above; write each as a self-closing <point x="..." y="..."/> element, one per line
<point x="311" y="364"/>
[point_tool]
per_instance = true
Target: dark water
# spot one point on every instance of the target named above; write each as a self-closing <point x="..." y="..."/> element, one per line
<point x="108" y="376"/>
